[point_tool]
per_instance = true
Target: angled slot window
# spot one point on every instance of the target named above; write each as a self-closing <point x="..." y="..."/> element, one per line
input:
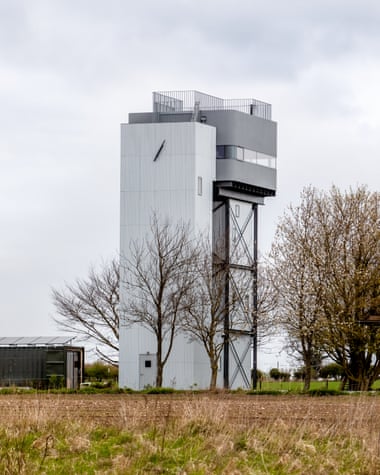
<point x="199" y="186"/>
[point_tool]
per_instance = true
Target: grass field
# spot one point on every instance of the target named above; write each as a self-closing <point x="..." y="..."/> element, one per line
<point x="189" y="434"/>
<point x="297" y="386"/>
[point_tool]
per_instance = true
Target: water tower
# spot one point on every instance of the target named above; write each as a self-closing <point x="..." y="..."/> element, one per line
<point x="210" y="162"/>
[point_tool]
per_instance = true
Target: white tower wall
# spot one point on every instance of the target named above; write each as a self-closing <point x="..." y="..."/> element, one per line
<point x="170" y="187"/>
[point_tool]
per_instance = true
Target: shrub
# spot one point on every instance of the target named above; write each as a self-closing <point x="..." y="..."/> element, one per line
<point x="275" y="373"/>
<point x="332" y="370"/>
<point x="56" y="381"/>
<point x="278" y="375"/>
<point x="159" y="391"/>
<point x="100" y="371"/>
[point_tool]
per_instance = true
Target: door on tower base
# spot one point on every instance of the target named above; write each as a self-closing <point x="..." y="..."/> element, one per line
<point x="147" y="370"/>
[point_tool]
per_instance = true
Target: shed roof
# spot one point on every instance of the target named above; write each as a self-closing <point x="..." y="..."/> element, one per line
<point x="36" y="340"/>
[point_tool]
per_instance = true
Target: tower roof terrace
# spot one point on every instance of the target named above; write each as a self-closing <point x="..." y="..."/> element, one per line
<point x="194" y="101"/>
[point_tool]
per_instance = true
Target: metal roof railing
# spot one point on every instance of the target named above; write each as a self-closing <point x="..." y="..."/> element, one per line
<point x="190" y="101"/>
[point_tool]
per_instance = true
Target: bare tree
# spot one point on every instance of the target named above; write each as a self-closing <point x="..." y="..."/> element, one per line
<point x="159" y="278"/>
<point x="293" y="275"/>
<point x="90" y="308"/>
<point x="348" y="259"/>
<point x="325" y="266"/>
<point x="207" y="306"/>
<point x="205" y="319"/>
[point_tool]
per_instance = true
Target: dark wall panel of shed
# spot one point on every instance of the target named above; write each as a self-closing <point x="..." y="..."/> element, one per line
<point x="22" y="367"/>
<point x="41" y="367"/>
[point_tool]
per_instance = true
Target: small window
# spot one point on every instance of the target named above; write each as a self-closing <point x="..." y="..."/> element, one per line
<point x="230" y="151"/>
<point x="250" y="156"/>
<point x="148" y="363"/>
<point x="237" y="211"/>
<point x="220" y="151"/>
<point x="240" y="153"/>
<point x="200" y="186"/>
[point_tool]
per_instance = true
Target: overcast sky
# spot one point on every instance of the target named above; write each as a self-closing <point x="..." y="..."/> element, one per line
<point x="71" y="71"/>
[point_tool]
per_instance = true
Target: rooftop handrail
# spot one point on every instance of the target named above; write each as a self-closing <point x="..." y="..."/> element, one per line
<point x="187" y="101"/>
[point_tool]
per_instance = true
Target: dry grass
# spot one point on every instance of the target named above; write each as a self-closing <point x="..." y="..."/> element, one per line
<point x="195" y="434"/>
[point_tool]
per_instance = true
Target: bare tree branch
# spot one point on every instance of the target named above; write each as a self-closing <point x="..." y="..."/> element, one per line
<point x="89" y="308"/>
<point x="204" y="320"/>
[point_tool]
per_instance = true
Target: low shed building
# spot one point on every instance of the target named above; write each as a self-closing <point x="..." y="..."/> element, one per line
<point x="41" y="362"/>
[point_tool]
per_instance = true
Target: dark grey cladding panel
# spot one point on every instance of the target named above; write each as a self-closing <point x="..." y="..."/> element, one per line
<point x="246" y="173"/>
<point x="152" y="117"/>
<point x="244" y="130"/>
<point x="140" y="118"/>
<point x="174" y="117"/>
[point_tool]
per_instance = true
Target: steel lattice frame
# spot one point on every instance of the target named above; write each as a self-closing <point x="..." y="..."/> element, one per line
<point x="233" y="262"/>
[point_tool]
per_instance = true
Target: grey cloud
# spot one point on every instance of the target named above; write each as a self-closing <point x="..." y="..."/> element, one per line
<point x="96" y="42"/>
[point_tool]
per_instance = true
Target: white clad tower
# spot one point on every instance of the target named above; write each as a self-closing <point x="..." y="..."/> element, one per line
<point x="208" y="162"/>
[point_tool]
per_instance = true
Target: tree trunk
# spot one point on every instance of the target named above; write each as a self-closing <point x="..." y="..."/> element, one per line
<point x="364" y="384"/>
<point x="214" y="375"/>
<point x="306" y="384"/>
<point x="159" y="375"/>
<point x="359" y="369"/>
<point x="160" y="367"/>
